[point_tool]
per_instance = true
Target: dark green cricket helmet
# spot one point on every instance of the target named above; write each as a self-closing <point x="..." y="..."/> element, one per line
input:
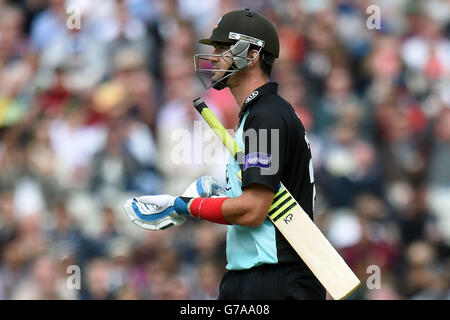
<point x="247" y="25"/>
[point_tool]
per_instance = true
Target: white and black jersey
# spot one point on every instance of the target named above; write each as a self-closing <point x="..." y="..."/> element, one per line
<point x="276" y="151"/>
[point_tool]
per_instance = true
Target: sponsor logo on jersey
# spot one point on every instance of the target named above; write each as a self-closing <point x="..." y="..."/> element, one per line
<point x="257" y="159"/>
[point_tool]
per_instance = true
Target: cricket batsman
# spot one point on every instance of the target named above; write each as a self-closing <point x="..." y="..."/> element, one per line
<point x="261" y="264"/>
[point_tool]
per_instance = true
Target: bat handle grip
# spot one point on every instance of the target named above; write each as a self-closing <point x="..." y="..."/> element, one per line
<point x="199" y="104"/>
<point x="218" y="127"/>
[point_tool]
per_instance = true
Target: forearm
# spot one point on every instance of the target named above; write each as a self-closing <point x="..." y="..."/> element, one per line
<point x="241" y="211"/>
<point x="249" y="209"/>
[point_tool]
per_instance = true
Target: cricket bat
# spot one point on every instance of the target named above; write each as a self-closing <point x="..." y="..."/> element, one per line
<point x="296" y="226"/>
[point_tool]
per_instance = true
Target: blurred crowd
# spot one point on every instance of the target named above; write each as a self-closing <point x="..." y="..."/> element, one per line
<point x="94" y="93"/>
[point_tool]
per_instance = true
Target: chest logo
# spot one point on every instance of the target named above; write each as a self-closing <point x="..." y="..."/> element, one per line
<point x="251" y="96"/>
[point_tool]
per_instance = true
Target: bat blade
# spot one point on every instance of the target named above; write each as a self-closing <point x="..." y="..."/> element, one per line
<point x="313" y="248"/>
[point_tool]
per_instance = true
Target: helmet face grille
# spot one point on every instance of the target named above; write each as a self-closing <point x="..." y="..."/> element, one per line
<point x="205" y="70"/>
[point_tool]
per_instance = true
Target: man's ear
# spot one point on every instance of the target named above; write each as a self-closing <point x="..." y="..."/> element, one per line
<point x="254" y="55"/>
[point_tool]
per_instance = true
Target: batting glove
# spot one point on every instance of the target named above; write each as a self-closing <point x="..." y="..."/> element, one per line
<point x="153" y="212"/>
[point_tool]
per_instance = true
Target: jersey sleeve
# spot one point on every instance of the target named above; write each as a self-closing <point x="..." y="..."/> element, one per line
<point x="265" y="137"/>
